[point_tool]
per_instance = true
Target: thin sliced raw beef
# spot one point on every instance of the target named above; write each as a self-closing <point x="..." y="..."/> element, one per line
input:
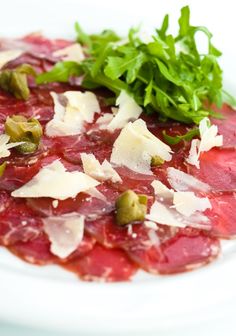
<point x="186" y="250"/>
<point x="223" y="215"/>
<point x="20" y="171"/>
<point x="103" y="264"/>
<point x="37" y="251"/>
<point x="217" y="168"/>
<point x="227" y="126"/>
<point x="18" y="223"/>
<point x="171" y="250"/>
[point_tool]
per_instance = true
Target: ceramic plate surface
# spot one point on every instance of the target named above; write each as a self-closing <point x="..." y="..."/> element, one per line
<point x="50" y="298"/>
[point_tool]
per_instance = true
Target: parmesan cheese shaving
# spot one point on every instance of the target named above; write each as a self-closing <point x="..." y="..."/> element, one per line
<point x="187" y="203"/>
<point x="209" y="139"/>
<point x="55" y="182"/>
<point x="96" y="193"/>
<point x="104" y="120"/>
<point x="161" y="190"/>
<point x="9" y="55"/>
<point x="5" y="146"/>
<point x="128" y="110"/>
<point x="65" y="233"/>
<point x="154" y="239"/>
<point x="73" y="53"/>
<point x="72" y="109"/>
<point x="181" y="181"/>
<point x="136" y="145"/>
<point x="151" y="225"/>
<point x="162" y="214"/>
<point x="101" y="172"/>
<point x="178" y="208"/>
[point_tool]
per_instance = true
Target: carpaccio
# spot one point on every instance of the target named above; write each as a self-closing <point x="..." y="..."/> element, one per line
<point x="108" y="252"/>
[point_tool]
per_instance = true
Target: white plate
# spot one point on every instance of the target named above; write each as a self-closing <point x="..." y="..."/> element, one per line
<point x="50" y="298"/>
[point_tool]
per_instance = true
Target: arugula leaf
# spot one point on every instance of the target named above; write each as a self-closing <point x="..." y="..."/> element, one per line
<point x="165" y="24"/>
<point x="82" y="37"/>
<point x="117" y="66"/>
<point x="166" y="75"/>
<point x="184" y="25"/>
<point x="175" y="140"/>
<point x="61" y="72"/>
<point x="229" y="99"/>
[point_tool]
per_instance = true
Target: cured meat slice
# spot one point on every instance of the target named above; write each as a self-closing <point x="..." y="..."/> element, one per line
<point x="186" y="250"/>
<point x="227" y="126"/>
<point x="167" y="250"/>
<point x="89" y="206"/>
<point x="37" y="251"/>
<point x="18" y="223"/>
<point x="21" y="170"/>
<point x="98" y="143"/>
<point x="84" y="247"/>
<point x="222" y="215"/>
<point x="103" y="264"/>
<point x="217" y="168"/>
<point x="39" y="105"/>
<point x="36" y="45"/>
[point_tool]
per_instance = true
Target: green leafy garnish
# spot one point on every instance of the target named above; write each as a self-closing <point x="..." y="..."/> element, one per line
<point x="22" y="130"/>
<point x="167" y="75"/>
<point x="2" y="168"/>
<point x="174" y="140"/>
<point x="15" y="81"/>
<point x="60" y="73"/>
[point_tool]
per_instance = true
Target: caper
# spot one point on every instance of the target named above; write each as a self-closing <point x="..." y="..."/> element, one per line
<point x="130" y="207"/>
<point x="20" y="129"/>
<point x="27" y="148"/>
<point x="18" y="85"/>
<point x="15" y="82"/>
<point x="156" y="161"/>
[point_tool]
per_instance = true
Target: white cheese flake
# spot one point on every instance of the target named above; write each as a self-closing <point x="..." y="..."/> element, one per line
<point x="104" y="120"/>
<point x="55" y="182"/>
<point x="187" y="203"/>
<point x="154" y="239"/>
<point x="161" y="190"/>
<point x="9" y="55"/>
<point x="130" y="229"/>
<point x="100" y="172"/>
<point x="65" y="233"/>
<point x="74" y="53"/>
<point x="165" y="215"/>
<point x="178" y="208"/>
<point x="161" y="214"/>
<point x="181" y="181"/>
<point x="128" y="110"/>
<point x="151" y="225"/>
<point x="71" y="110"/>
<point x="93" y="192"/>
<point x="55" y="203"/>
<point x="136" y="145"/>
<point x="5" y="146"/>
<point x="209" y="139"/>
